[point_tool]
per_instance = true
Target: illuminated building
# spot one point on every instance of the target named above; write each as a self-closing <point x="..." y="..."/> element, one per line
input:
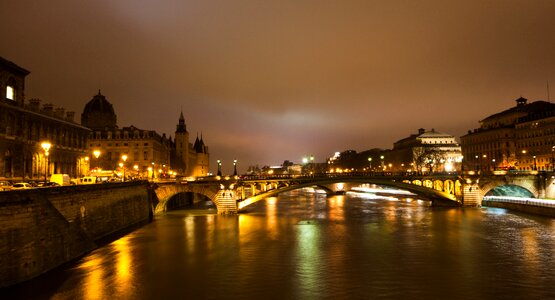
<point x="154" y="155"/>
<point x="25" y="126"/>
<point x="426" y="151"/>
<point x="521" y="138"/>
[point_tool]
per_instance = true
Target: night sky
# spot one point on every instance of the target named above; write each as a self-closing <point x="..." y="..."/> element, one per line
<point x="266" y="81"/>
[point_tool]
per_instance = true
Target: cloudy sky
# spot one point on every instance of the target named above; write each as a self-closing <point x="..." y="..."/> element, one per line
<point x="266" y="81"/>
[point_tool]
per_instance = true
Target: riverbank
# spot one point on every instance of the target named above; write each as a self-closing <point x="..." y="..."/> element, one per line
<point x="522" y="207"/>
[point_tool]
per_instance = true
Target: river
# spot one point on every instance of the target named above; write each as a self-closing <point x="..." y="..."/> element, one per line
<point x="304" y="245"/>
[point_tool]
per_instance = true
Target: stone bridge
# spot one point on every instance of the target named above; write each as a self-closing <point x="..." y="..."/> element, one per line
<point x="232" y="194"/>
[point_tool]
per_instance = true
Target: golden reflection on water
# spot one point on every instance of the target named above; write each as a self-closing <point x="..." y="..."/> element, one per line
<point x="124" y="271"/>
<point x="93" y="286"/>
<point x="310" y="267"/>
<point x="271" y="218"/>
<point x="336" y="212"/>
<point x="210" y="232"/>
<point x="190" y="234"/>
<point x="530" y="251"/>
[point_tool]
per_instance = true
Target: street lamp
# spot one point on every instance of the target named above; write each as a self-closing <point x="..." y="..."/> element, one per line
<point x="552" y="159"/>
<point x="534" y="157"/>
<point x="46" y="147"/>
<point x="234" y="167"/>
<point x="136" y="168"/>
<point x="219" y="167"/>
<point x="124" y="158"/>
<point x="96" y="154"/>
<point x="370" y="164"/>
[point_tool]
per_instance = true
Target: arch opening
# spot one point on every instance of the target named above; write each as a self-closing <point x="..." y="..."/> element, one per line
<point x="511" y="191"/>
<point x="189" y="200"/>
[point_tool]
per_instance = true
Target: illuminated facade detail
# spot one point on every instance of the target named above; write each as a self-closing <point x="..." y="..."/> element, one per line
<point x="10" y="92"/>
<point x="427" y="151"/>
<point x="519" y="138"/>
<point x="24" y="125"/>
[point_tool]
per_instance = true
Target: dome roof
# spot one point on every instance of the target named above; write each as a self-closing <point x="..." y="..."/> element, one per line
<point x="99" y="114"/>
<point x="99" y="104"/>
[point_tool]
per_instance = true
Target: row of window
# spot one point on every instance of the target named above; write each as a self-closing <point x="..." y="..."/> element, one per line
<point x="117" y="144"/>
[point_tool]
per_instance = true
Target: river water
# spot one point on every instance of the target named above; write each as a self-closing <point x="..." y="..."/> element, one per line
<point x="304" y="245"/>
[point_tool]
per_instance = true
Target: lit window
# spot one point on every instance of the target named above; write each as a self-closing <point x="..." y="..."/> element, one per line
<point x="10" y="92"/>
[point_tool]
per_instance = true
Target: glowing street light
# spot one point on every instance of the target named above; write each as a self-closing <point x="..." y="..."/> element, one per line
<point x="46" y="147"/>
<point x="370" y="163"/>
<point x="219" y="167"/>
<point x="124" y="158"/>
<point x="234" y="167"/>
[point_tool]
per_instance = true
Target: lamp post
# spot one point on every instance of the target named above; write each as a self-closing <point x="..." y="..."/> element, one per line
<point x="152" y="169"/>
<point x="46" y="147"/>
<point x="96" y="154"/>
<point x="382" y="162"/>
<point x="552" y="159"/>
<point x="234" y="167"/>
<point x="219" y="167"/>
<point x="534" y="157"/>
<point x="124" y="158"/>
<point x="370" y="164"/>
<point x="136" y="168"/>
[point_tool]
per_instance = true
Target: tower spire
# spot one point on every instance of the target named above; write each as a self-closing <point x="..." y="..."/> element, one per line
<point x="181" y="127"/>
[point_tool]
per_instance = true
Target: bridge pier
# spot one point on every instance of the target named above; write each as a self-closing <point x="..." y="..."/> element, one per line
<point x="225" y="202"/>
<point x="472" y="195"/>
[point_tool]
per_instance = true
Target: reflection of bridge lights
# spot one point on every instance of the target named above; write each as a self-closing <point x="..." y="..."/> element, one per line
<point x="271" y="200"/>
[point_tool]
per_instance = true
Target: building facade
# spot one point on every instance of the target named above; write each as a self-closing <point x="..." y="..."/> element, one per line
<point x="24" y="126"/>
<point x="519" y="138"/>
<point x="139" y="153"/>
<point x="427" y="151"/>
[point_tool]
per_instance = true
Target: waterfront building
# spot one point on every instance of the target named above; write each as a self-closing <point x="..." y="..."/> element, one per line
<point x="521" y="138"/>
<point x="143" y="153"/>
<point x="426" y="151"/>
<point x="24" y="126"/>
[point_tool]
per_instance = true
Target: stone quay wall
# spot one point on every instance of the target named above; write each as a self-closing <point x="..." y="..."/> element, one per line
<point x="531" y="209"/>
<point x="41" y="229"/>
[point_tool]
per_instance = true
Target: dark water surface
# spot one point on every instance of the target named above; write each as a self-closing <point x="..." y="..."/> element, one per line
<point x="309" y="246"/>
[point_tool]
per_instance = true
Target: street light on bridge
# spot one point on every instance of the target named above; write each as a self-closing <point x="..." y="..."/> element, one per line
<point x="370" y="164"/>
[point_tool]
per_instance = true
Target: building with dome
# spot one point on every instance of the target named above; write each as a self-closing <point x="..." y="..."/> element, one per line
<point x="139" y="152"/>
<point x="26" y="125"/>
<point x="519" y="138"/>
<point x="426" y="151"/>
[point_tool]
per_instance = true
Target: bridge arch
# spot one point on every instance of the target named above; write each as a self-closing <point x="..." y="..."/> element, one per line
<point x="520" y="185"/>
<point x="436" y="196"/>
<point x="509" y="190"/>
<point x="164" y="192"/>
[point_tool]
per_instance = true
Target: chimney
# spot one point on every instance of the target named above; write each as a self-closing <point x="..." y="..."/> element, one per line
<point x="60" y="112"/>
<point x="70" y="116"/>
<point x="34" y="104"/>
<point x="48" y="108"/>
<point x="421" y="131"/>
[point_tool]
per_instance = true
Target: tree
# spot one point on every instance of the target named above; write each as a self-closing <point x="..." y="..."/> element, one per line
<point x="428" y="157"/>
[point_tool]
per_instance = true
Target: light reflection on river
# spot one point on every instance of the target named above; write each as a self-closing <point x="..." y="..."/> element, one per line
<point x="309" y="246"/>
